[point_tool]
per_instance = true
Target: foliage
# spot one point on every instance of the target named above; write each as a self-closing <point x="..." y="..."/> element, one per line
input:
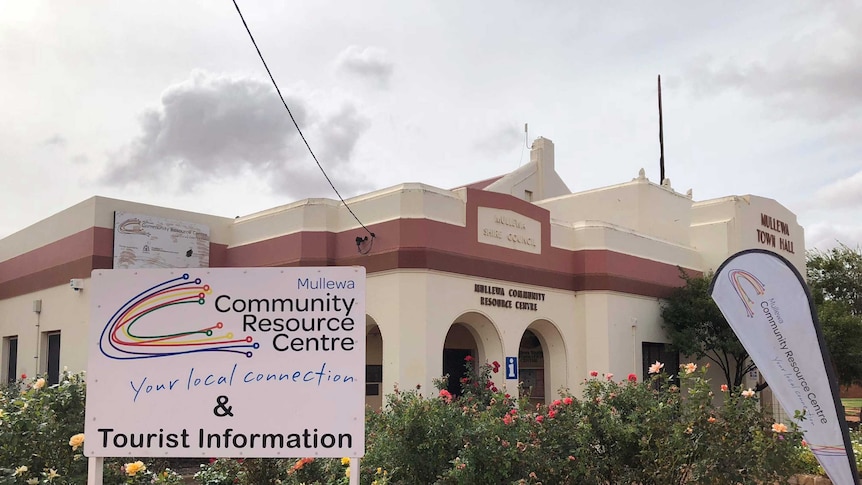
<point x="835" y="279"/>
<point x="41" y="437"/>
<point x="842" y="332"/>
<point x="650" y="433"/>
<point x="836" y="275"/>
<point x="136" y="472"/>
<point x="697" y="328"/>
<point x="222" y="471"/>
<point x="415" y="438"/>
<point x="36" y="423"/>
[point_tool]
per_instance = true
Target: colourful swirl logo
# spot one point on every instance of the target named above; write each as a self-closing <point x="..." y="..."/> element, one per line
<point x="737" y="277"/>
<point x="126" y="337"/>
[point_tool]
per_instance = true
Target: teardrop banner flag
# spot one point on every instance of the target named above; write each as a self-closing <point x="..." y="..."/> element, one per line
<point x="766" y="302"/>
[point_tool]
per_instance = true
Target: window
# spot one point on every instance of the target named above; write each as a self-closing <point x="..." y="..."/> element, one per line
<point x="52" y="357"/>
<point x="664" y="353"/>
<point x="373" y="378"/>
<point x="10" y="358"/>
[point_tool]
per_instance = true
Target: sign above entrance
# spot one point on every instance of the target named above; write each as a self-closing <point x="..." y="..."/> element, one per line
<point x="498" y="298"/>
<point x="227" y="362"/>
<point x="509" y="229"/>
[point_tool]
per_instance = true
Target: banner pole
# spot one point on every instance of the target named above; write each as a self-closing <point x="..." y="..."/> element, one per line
<point x="94" y="470"/>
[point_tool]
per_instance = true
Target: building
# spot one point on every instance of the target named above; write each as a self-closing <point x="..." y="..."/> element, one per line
<point x="515" y="266"/>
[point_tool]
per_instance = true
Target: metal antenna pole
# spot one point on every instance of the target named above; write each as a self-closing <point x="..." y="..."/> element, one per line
<point x="660" y="134"/>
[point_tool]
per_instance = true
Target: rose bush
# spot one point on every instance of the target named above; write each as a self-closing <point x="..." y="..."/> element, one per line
<point x="41" y="437"/>
<point x="656" y="432"/>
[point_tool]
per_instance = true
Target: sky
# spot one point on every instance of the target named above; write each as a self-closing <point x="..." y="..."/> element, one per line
<point x="167" y="103"/>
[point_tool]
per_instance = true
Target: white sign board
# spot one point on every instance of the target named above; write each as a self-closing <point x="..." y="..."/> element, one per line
<point x="142" y="241"/>
<point x="227" y="362"/>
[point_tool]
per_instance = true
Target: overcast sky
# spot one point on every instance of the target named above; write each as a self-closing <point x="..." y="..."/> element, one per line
<point x="167" y="103"/>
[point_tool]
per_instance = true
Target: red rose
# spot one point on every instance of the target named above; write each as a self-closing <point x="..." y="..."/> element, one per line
<point x="594" y="373"/>
<point x="633" y="378"/>
<point x="469" y="358"/>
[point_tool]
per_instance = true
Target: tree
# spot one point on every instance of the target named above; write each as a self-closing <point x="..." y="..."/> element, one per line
<point x="697" y="328"/>
<point x="835" y="279"/>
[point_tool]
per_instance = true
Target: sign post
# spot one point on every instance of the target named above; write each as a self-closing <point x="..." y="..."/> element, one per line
<point x="227" y="362"/>
<point x="95" y="470"/>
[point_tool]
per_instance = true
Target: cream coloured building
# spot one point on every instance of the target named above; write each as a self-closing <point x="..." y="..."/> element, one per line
<point x="512" y="267"/>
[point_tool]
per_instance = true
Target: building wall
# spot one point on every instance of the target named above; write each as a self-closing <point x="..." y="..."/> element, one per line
<point x="63" y="310"/>
<point x="641" y="206"/>
<point x="725" y="226"/>
<point x="602" y="260"/>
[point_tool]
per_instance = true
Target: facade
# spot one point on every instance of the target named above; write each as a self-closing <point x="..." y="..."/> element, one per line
<point x="516" y="266"/>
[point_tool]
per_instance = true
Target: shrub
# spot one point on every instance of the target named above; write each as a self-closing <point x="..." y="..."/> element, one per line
<point x="613" y="431"/>
<point x="415" y="438"/>
<point x="36" y="424"/>
<point x="41" y="438"/>
<point x="657" y="433"/>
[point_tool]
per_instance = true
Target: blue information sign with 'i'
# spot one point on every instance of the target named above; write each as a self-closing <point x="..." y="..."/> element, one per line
<point x="511" y="367"/>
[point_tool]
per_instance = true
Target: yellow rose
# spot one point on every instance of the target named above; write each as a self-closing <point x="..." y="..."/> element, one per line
<point x="345" y="461"/>
<point x="133" y="468"/>
<point x="39" y="384"/>
<point x="20" y="471"/>
<point x="76" y="441"/>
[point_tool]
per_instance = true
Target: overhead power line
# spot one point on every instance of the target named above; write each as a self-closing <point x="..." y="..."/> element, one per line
<point x="359" y="240"/>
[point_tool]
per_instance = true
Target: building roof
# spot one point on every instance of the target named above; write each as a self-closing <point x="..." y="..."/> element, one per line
<point x="482" y="184"/>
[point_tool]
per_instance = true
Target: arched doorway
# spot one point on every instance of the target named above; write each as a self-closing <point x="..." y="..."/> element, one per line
<point x="373" y="364"/>
<point x="471" y="334"/>
<point x="542" y="366"/>
<point x="458" y="345"/>
<point x="531" y="363"/>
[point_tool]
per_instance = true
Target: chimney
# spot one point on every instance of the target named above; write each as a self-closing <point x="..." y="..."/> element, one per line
<point x="542" y="152"/>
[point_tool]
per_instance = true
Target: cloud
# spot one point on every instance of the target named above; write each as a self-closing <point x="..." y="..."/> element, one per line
<point x="815" y="75"/>
<point x="826" y="235"/>
<point x="213" y="127"/>
<point x="55" y="140"/>
<point x="503" y="139"/>
<point x="369" y="65"/>
<point x="846" y="192"/>
<point x="337" y="136"/>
